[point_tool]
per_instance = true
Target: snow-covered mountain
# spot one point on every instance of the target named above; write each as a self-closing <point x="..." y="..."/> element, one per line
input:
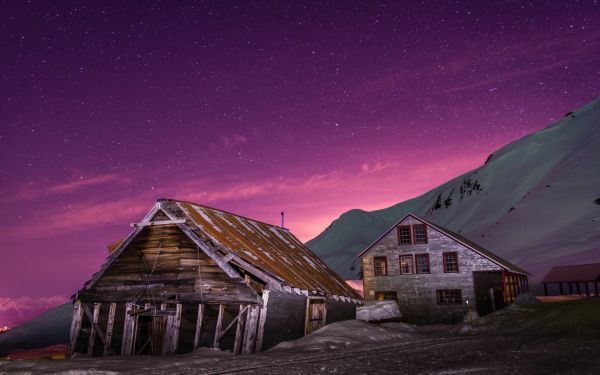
<point x="535" y="202"/>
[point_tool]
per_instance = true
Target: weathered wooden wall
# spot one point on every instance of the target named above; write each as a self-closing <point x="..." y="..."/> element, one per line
<point x="338" y="311"/>
<point x="417" y="292"/>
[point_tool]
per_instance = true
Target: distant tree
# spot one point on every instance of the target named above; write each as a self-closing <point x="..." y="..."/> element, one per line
<point x="569" y="114"/>
<point x="488" y="159"/>
<point x="448" y="202"/>
<point x="438" y="202"/>
<point x="597" y="201"/>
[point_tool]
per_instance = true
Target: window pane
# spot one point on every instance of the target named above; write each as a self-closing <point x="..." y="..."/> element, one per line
<point x="404" y="235"/>
<point x="450" y="262"/>
<point x="449" y="297"/>
<point x="420" y="232"/>
<point x="422" y="263"/>
<point x="387" y="295"/>
<point x="380" y="266"/>
<point x="406" y="264"/>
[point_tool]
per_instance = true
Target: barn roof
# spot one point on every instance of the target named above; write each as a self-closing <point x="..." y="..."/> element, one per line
<point x="261" y="249"/>
<point x="459" y="238"/>
<point x="574" y="273"/>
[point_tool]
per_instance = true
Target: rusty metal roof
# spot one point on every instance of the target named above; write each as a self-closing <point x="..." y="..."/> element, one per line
<point x="274" y="250"/>
<point x="580" y="272"/>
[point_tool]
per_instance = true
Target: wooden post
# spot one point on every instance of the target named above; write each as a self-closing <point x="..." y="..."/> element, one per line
<point x="251" y="326"/>
<point x="504" y="289"/>
<point x="526" y="283"/>
<point x="570" y="288"/>
<point x="197" y="336"/>
<point x="93" y="329"/>
<point x="237" y="345"/>
<point x="75" y="327"/>
<point x="128" y="331"/>
<point x="261" y="323"/>
<point x="172" y="332"/>
<point x="109" y="329"/>
<point x="578" y="288"/>
<point x="560" y="286"/>
<point x="587" y="289"/>
<point x="216" y="341"/>
<point x="545" y="289"/>
<point x="596" y="288"/>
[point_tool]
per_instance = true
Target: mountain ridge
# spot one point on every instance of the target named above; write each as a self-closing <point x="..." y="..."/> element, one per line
<point x="543" y="177"/>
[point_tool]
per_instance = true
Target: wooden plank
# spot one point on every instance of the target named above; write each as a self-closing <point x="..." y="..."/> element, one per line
<point x="93" y="329"/>
<point x="198" y="334"/>
<point x="155" y="223"/>
<point x="75" y="327"/>
<point x="128" y="331"/>
<point x="176" y="325"/>
<point x="262" y="320"/>
<point x="109" y="329"/>
<point x="251" y="326"/>
<point x="237" y="344"/>
<point x="219" y="326"/>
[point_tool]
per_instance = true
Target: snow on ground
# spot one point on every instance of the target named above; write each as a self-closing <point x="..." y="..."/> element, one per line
<point x="347" y="334"/>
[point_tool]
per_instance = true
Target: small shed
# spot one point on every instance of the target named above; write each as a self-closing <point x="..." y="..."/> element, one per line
<point x="191" y="276"/>
<point x="574" y="275"/>
<point x="437" y="275"/>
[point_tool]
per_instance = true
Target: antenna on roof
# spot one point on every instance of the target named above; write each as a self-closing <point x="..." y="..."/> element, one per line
<point x="282" y="217"/>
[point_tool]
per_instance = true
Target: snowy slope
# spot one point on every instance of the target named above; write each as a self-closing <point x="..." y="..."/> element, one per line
<point x="532" y="202"/>
<point x="50" y="328"/>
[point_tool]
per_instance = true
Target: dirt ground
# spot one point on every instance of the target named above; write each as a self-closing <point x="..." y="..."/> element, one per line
<point x="545" y="338"/>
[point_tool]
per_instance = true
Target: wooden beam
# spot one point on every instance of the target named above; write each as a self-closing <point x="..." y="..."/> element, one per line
<point x="155" y="223"/>
<point x="95" y="327"/>
<point x="75" y="327"/>
<point x="128" y="331"/>
<point x="545" y="289"/>
<point x="236" y="319"/>
<point x="172" y="331"/>
<point x="216" y="342"/>
<point x="250" y="334"/>
<point x="109" y="329"/>
<point x="198" y="334"/>
<point x="237" y="344"/>
<point x="261" y="322"/>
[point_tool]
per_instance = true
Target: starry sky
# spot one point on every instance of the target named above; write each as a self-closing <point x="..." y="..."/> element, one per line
<point x="310" y="107"/>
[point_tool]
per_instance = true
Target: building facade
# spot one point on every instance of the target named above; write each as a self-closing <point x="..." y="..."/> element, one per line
<point x="191" y="276"/>
<point x="436" y="275"/>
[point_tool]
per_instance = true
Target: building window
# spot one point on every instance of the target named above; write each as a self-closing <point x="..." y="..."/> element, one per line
<point x="450" y="262"/>
<point x="422" y="262"/>
<point x="420" y="233"/>
<point x="380" y="266"/>
<point x="404" y="237"/>
<point x="449" y="297"/>
<point x="406" y="264"/>
<point x="388" y="294"/>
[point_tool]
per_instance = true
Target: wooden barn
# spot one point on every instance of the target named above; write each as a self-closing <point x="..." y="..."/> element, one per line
<point x="582" y="274"/>
<point x="436" y="274"/>
<point x="191" y="276"/>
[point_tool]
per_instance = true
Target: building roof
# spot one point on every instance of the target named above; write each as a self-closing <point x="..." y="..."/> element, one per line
<point x="574" y="273"/>
<point x="259" y="248"/>
<point x="459" y="238"/>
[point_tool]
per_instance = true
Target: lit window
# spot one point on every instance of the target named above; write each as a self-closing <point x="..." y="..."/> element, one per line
<point x="406" y="264"/>
<point x="449" y="297"/>
<point x="380" y="266"/>
<point x="420" y="233"/>
<point x="404" y="237"/>
<point x="387" y="295"/>
<point x="422" y="261"/>
<point x="450" y="262"/>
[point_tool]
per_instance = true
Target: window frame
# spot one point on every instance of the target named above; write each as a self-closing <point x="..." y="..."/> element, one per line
<point x="375" y="259"/>
<point x="426" y="255"/>
<point x="441" y="301"/>
<point x="411" y="267"/>
<point x="444" y="261"/>
<point x="410" y="235"/>
<point x="414" y="238"/>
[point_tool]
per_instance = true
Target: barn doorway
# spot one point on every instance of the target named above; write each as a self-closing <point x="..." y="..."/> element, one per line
<point x="150" y="334"/>
<point x="488" y="291"/>
<point x="316" y="310"/>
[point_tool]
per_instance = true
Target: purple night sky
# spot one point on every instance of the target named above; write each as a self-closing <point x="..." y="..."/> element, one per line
<point x="310" y="107"/>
